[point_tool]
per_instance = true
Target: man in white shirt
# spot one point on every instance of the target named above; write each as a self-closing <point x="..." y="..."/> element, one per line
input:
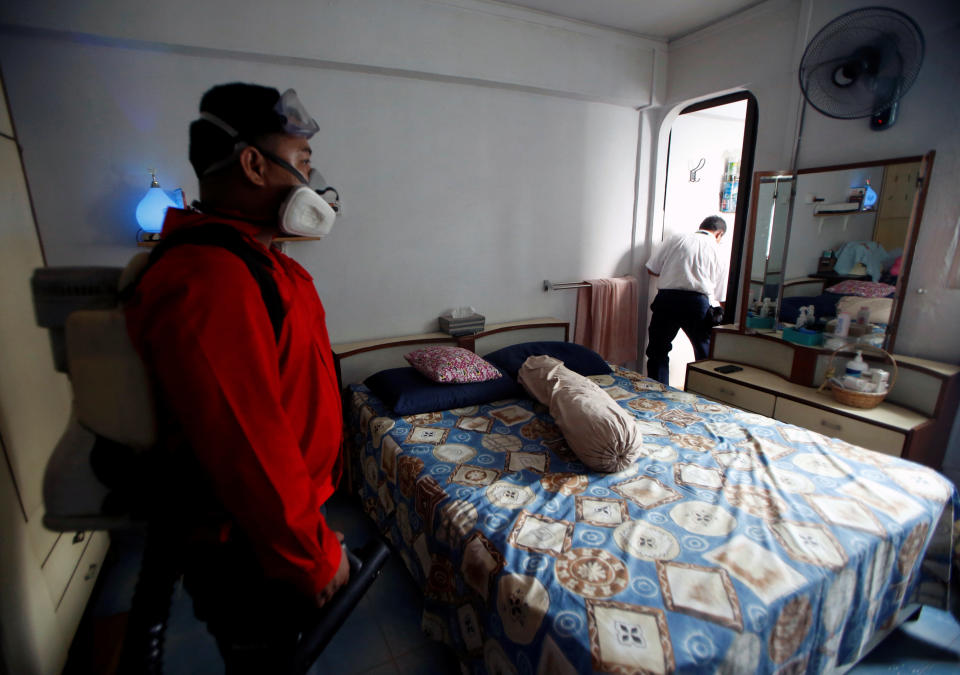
<point x="693" y="279"/>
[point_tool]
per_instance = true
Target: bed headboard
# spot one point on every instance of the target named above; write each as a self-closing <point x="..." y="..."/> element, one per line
<point x="356" y="361"/>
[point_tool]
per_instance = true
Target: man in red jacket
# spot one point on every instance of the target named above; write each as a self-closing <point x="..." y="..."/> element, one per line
<point x="248" y="391"/>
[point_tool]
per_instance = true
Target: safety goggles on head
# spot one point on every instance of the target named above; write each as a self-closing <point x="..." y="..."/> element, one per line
<point x="292" y="118"/>
<point x="296" y="119"/>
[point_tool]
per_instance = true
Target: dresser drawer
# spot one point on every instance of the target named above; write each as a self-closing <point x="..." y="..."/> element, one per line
<point x="736" y="395"/>
<point x="81" y="583"/>
<point x="839" y="426"/>
<point x="62" y="562"/>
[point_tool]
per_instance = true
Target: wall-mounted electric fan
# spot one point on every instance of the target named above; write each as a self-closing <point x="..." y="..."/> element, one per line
<point x="861" y="64"/>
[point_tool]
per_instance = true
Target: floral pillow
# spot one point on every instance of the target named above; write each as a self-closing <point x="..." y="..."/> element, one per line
<point x="452" y="364"/>
<point x="864" y="289"/>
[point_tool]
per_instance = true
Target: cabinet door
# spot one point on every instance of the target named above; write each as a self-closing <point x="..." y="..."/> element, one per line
<point x="840" y="426"/>
<point x="60" y="565"/>
<point x="34" y="409"/>
<point x="74" y="598"/>
<point x="896" y="202"/>
<point x="34" y="399"/>
<point x="736" y="395"/>
<point x="899" y="190"/>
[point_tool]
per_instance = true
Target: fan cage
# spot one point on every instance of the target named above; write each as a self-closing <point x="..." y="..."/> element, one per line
<point x="893" y="34"/>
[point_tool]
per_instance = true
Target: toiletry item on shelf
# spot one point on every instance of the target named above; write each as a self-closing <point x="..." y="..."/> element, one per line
<point x="854" y="383"/>
<point x="811" y="319"/>
<point x="880" y="379"/>
<point x="767" y="308"/>
<point x="863" y="316"/>
<point x="834" y="342"/>
<point x="843" y="324"/>
<point x="855" y="367"/>
<point x="803" y="319"/>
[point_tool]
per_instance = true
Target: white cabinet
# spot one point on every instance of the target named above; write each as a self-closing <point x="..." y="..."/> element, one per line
<point x="47" y="577"/>
<point x="889" y="428"/>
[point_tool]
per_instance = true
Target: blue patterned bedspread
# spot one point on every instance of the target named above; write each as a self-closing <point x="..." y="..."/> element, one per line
<point x="738" y="544"/>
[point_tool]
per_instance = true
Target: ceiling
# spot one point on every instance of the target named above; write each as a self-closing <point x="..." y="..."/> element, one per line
<point x="660" y="19"/>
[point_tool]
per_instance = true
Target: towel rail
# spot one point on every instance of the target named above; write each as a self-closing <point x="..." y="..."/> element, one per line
<point x="563" y="285"/>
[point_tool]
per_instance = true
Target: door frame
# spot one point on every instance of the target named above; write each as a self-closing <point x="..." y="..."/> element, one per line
<point x="747" y="152"/>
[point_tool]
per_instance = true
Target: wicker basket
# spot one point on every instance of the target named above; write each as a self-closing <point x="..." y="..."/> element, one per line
<point x="859" y="399"/>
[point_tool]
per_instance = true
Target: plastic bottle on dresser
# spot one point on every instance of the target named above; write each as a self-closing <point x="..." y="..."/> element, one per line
<point x="856" y="367"/>
<point x="843" y="325"/>
<point x="863" y="316"/>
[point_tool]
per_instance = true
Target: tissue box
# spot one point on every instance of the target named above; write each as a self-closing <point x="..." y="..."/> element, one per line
<point x="803" y="336"/>
<point x="462" y="325"/>
<point x="759" y="321"/>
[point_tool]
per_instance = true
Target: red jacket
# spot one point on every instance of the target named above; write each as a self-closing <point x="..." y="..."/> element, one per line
<point x="262" y="415"/>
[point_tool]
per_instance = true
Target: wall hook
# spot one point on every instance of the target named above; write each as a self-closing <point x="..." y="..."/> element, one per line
<point x="693" y="172"/>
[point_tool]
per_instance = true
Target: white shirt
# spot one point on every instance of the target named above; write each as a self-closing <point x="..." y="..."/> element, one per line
<point x="691" y="263"/>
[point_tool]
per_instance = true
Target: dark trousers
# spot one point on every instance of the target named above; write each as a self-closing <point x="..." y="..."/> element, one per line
<point x="256" y="621"/>
<point x="673" y="311"/>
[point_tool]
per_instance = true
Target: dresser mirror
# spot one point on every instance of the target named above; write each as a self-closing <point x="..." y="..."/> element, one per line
<point x="846" y="247"/>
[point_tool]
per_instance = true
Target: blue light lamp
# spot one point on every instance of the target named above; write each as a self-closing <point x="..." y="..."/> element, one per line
<point x="869" y="198"/>
<point x="153" y="208"/>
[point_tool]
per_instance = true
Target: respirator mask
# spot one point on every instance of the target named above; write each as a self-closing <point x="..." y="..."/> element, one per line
<point x="305" y="212"/>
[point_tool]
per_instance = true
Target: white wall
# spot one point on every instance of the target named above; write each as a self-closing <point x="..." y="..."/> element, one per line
<point x="478" y="149"/>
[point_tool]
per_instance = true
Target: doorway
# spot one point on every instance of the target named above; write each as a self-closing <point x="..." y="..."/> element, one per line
<point x="709" y="165"/>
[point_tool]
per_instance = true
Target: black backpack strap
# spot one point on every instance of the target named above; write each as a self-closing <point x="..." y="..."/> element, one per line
<point x="223" y="236"/>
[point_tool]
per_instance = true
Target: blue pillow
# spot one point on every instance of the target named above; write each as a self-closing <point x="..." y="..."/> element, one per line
<point x="408" y="392"/>
<point x="576" y="357"/>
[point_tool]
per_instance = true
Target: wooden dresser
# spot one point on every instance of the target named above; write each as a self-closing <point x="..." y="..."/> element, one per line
<point x="780" y="379"/>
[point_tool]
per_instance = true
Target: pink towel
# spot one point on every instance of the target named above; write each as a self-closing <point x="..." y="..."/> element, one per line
<point x="607" y="318"/>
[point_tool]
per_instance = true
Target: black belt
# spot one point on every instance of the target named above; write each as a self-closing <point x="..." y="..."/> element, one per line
<point x="681" y="291"/>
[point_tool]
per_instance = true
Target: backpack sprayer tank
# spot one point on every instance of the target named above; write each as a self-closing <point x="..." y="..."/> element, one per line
<point x="113" y="415"/>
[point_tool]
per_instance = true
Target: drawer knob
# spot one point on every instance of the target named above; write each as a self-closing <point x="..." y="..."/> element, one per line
<point x="78" y="537"/>
<point x="728" y="392"/>
<point x="829" y="425"/>
<point x="91" y="572"/>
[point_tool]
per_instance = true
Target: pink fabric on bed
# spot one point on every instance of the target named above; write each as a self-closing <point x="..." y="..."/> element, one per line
<point x="607" y="318"/>
<point x="863" y="289"/>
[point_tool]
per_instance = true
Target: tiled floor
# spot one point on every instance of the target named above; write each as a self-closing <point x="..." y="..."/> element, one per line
<point x="383" y="636"/>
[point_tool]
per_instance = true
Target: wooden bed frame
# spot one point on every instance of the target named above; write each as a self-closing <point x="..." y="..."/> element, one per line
<point x="355" y="361"/>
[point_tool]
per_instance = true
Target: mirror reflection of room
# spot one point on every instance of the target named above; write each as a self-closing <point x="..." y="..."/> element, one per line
<point x="836" y="281"/>
<point x="766" y="269"/>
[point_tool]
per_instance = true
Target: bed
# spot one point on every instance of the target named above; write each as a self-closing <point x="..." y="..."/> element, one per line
<point x="735" y="544"/>
<point x="831" y="298"/>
